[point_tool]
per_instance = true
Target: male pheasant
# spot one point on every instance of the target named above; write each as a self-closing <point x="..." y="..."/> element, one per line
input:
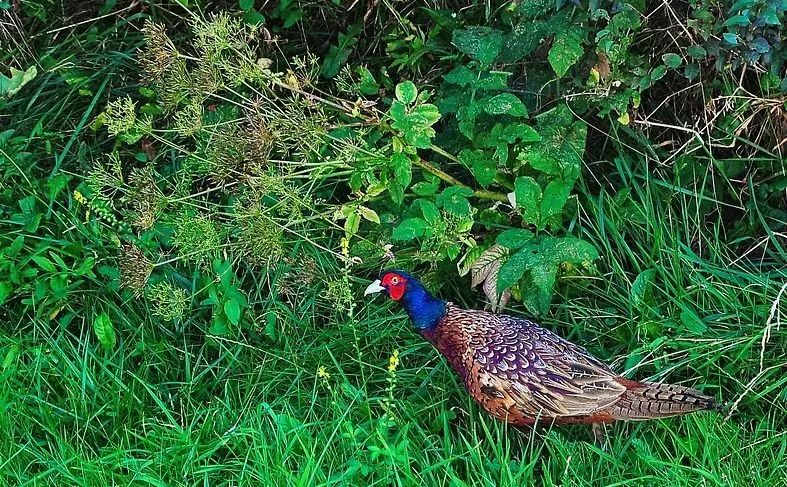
<point x="522" y="374"/>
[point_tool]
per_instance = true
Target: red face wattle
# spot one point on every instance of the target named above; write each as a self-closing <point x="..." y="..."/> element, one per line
<point x="394" y="284"/>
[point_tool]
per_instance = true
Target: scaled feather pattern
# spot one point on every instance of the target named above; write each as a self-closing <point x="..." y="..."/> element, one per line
<point x="522" y="373"/>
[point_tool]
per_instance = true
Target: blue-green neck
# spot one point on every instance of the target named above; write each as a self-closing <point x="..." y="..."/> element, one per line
<point x="424" y="309"/>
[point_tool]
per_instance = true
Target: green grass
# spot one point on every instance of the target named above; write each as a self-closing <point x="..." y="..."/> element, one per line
<point x="176" y="405"/>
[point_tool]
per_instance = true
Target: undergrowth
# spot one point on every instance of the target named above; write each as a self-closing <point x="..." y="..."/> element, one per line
<point x="192" y="203"/>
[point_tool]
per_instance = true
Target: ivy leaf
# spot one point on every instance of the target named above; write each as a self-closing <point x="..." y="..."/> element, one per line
<point x="406" y="92"/>
<point x="555" y="196"/>
<point x="480" y="43"/>
<point x="528" y="197"/>
<point x="566" y="50"/>
<point x="409" y="229"/>
<point x="505" y="103"/>
<point x="453" y="199"/>
<point x="105" y="332"/>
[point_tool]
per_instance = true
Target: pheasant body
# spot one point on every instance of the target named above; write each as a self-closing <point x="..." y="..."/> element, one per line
<point x="522" y="373"/>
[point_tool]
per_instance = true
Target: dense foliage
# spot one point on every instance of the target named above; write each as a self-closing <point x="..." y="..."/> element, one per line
<point x="191" y="203"/>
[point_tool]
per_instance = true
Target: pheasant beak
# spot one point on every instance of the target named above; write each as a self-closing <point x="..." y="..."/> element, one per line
<point x="374" y="287"/>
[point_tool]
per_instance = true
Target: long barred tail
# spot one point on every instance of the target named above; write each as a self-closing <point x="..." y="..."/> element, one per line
<point x="650" y="400"/>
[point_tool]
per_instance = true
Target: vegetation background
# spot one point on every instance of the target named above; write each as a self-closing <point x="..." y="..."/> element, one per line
<point x="193" y="195"/>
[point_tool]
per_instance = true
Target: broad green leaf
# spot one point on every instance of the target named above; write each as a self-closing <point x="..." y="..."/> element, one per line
<point x="538" y="296"/>
<point x="402" y="168"/>
<point x="693" y="323"/>
<point x="105" y="332"/>
<point x="514" y="269"/>
<point x="352" y="224"/>
<point x="561" y="147"/>
<point x="453" y="199"/>
<point x="514" y="238"/>
<point x="11" y="86"/>
<point x="44" y="263"/>
<point x="480" y="43"/>
<point x="232" y="310"/>
<point x="505" y="103"/>
<point x="406" y="92"/>
<point x="566" y="50"/>
<point x="369" y="214"/>
<point x="430" y="211"/>
<point x="696" y="52"/>
<point x="461" y="75"/>
<point x="523" y="39"/>
<point x="409" y="229"/>
<point x="426" y="188"/>
<point x="246" y="5"/>
<point x="555" y="196"/>
<point x="484" y="169"/>
<point x="672" y="60"/>
<point x="528" y="198"/>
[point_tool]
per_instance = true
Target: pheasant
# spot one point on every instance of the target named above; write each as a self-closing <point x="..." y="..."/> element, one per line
<point x="524" y="374"/>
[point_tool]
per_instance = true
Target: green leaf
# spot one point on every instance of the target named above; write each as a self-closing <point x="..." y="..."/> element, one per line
<point x="505" y="103"/>
<point x="693" y="323"/>
<point x="409" y="229"/>
<point x="528" y="197"/>
<point x="402" y="168"/>
<point x="736" y="21"/>
<point x="453" y="199"/>
<point x="672" y="60"/>
<point x="514" y="238"/>
<point x="658" y="73"/>
<point x="352" y="224"/>
<point x="337" y="55"/>
<point x="642" y="288"/>
<point x="406" y="92"/>
<point x="480" y="43"/>
<point x="513" y="270"/>
<point x="44" y="263"/>
<point x="430" y="211"/>
<point x="461" y="75"/>
<point x="11" y="86"/>
<point x="566" y="50"/>
<point x="484" y="169"/>
<point x="102" y="326"/>
<point x="369" y="214"/>
<point x="232" y="310"/>
<point x="523" y="40"/>
<point x="246" y="5"/>
<point x="696" y="52"/>
<point x="562" y="144"/>
<point x="555" y="196"/>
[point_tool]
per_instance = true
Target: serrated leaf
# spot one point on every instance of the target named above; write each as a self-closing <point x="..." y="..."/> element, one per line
<point x="528" y="198"/>
<point x="406" y="92"/>
<point x="514" y="238"/>
<point x="480" y="43"/>
<point x="409" y="229"/>
<point x="566" y="50"/>
<point x="105" y="332"/>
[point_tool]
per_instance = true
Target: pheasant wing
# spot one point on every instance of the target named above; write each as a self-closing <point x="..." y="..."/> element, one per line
<point x="543" y="374"/>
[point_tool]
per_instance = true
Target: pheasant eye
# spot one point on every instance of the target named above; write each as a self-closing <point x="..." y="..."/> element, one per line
<point x="395" y="280"/>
